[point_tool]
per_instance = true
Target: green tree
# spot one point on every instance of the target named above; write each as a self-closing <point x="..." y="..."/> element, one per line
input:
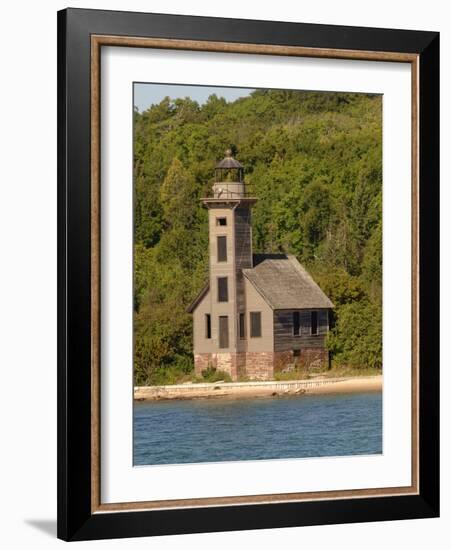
<point x="178" y="196"/>
<point x="356" y="339"/>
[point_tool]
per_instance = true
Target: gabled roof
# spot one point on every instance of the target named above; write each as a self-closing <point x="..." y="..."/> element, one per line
<point x="285" y="284"/>
<point x="198" y="298"/>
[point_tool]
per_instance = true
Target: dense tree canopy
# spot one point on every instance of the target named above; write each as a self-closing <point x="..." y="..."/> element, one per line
<point x="313" y="159"/>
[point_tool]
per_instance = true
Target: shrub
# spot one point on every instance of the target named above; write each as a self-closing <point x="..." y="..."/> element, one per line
<point x="211" y="374"/>
<point x="356" y="339"/>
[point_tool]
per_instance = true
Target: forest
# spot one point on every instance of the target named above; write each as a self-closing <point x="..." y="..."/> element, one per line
<point x="313" y="160"/>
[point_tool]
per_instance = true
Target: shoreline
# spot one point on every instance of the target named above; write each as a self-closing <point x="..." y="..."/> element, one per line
<point x="271" y="388"/>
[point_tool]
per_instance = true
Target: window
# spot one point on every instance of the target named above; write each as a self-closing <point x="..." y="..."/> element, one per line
<point x="296" y="323"/>
<point x="256" y="324"/>
<point x="208" y="326"/>
<point x="223" y="290"/>
<point x="221" y="221"/>
<point x="323" y="320"/>
<point x="242" y="323"/>
<point x="223" y="331"/>
<point x="222" y="248"/>
<point x="314" y="323"/>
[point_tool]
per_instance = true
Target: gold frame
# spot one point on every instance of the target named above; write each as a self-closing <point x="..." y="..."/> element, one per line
<point x="97" y="41"/>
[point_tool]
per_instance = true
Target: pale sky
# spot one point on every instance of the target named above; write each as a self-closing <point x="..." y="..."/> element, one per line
<point x="146" y="94"/>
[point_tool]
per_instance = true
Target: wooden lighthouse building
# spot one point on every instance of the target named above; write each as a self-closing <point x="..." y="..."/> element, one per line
<point x="258" y="313"/>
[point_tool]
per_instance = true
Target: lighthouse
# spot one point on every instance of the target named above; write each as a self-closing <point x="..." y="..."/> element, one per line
<point x="256" y="313"/>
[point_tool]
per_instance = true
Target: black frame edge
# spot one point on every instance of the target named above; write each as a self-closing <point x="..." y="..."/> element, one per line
<point x="252" y="517"/>
<point x="61" y="278"/>
<point x="196" y="27"/>
<point x="429" y="196"/>
<point x="74" y="273"/>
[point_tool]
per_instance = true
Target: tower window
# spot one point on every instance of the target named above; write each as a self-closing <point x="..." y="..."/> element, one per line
<point x="221" y="221"/>
<point x="256" y="324"/>
<point x="223" y="289"/>
<point x="314" y="323"/>
<point x="296" y="323"/>
<point x="208" y="326"/>
<point x="223" y="331"/>
<point x="242" y="326"/>
<point x="222" y="248"/>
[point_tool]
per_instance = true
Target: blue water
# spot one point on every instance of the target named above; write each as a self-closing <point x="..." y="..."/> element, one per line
<point x="174" y="432"/>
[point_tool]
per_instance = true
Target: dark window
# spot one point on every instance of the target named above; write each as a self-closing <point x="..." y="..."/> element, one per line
<point x="223" y="332"/>
<point x="207" y="325"/>
<point x="223" y="291"/>
<point x="222" y="249"/>
<point x="256" y="324"/>
<point x="314" y="322"/>
<point x="221" y="221"/>
<point x="242" y="326"/>
<point x="296" y="353"/>
<point x="323" y="319"/>
<point x="296" y="323"/>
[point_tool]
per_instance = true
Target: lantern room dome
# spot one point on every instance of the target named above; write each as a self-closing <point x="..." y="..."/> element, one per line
<point x="228" y="162"/>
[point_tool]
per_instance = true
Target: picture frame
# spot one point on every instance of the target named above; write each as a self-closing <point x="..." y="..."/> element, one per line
<point x="81" y="36"/>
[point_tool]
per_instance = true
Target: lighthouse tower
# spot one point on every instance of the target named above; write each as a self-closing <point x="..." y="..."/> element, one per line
<point x="230" y="251"/>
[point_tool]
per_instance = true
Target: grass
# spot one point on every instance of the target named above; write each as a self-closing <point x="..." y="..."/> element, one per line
<point x="336" y="371"/>
<point x="296" y="374"/>
<point x="343" y="371"/>
<point x="212" y="375"/>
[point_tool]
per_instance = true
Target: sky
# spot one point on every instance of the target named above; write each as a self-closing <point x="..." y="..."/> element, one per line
<point x="146" y="94"/>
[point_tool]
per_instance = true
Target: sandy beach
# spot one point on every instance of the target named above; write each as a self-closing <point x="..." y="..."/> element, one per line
<point x="260" y="389"/>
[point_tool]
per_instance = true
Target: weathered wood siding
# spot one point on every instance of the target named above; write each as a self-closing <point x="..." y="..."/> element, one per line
<point x="243" y="260"/>
<point x="243" y="238"/>
<point x="240" y="291"/>
<point x="284" y="340"/>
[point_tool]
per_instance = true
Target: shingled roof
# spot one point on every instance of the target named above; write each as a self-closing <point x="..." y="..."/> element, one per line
<point x="229" y="162"/>
<point x="285" y="284"/>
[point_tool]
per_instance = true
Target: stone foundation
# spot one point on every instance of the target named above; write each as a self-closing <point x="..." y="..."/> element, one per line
<point x="261" y="365"/>
<point x="225" y="362"/>
<point x="282" y="360"/>
<point x="313" y="359"/>
<point x="307" y="358"/>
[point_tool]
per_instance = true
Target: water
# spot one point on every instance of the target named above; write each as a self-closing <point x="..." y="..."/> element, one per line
<point x="175" y="432"/>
